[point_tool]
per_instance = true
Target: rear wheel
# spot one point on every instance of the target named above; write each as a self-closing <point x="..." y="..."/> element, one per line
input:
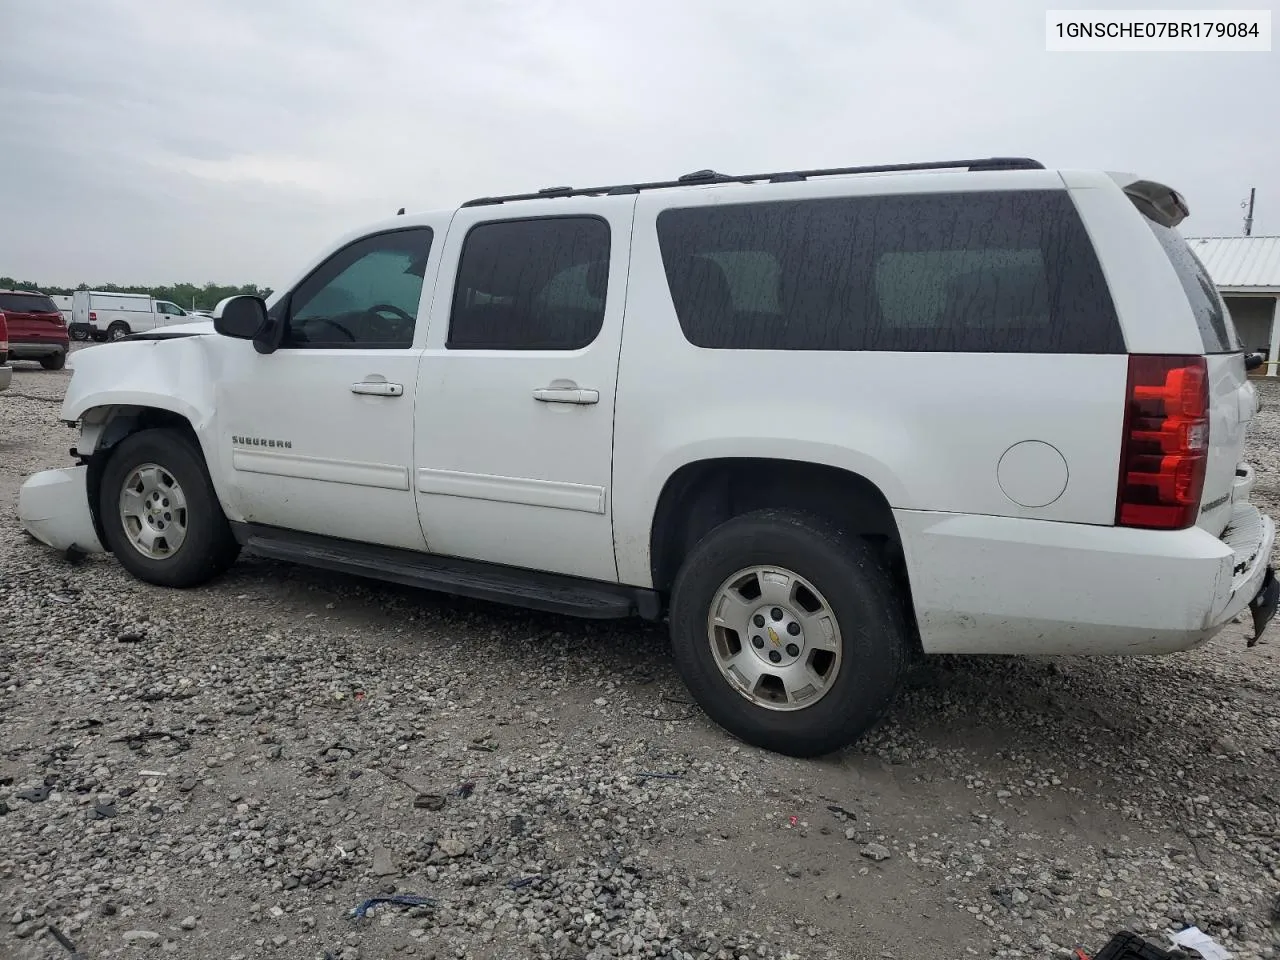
<point x="54" y="361"/>
<point x="788" y="631"/>
<point x="79" y="334"/>
<point x="117" y="330"/>
<point x="160" y="515"/>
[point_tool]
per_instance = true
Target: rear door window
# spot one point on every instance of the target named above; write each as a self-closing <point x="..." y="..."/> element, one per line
<point x="26" y="303"/>
<point x="537" y="284"/>
<point x="1217" y="331"/>
<point x="992" y="272"/>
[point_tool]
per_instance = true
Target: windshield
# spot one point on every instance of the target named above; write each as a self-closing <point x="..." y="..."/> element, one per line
<point x="26" y="303"/>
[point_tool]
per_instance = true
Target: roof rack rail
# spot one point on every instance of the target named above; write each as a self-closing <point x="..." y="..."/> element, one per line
<point x="784" y="176"/>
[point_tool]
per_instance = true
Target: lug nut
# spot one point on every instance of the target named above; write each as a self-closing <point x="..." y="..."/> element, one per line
<point x="758" y="620"/>
<point x="757" y="642"/>
<point x="793" y="650"/>
<point x="776" y="613"/>
<point x="793" y="628"/>
<point x="774" y="656"/>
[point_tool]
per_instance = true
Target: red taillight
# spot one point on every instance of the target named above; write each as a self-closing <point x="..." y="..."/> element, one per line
<point x="1166" y="442"/>
<point x="93" y="316"/>
<point x="4" y="334"/>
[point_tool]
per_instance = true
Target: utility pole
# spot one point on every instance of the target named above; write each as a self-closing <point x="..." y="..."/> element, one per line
<point x="1248" y="216"/>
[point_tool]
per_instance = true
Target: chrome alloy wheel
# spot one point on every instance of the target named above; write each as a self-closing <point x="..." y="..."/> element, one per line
<point x="153" y="511"/>
<point x="775" y="638"/>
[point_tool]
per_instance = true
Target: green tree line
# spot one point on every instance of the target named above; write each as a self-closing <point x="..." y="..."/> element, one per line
<point x="190" y="296"/>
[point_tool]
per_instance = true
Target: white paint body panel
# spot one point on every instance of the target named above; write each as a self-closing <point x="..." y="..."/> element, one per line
<point x="1019" y="558"/>
<point x="928" y="429"/>
<point x="1002" y="585"/>
<point x="346" y="473"/>
<point x="504" y="477"/>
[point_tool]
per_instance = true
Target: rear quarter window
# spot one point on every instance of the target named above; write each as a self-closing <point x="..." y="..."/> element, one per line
<point x="997" y="272"/>
<point x="1217" y="331"/>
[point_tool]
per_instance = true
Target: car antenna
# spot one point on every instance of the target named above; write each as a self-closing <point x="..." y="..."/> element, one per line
<point x="400" y="212"/>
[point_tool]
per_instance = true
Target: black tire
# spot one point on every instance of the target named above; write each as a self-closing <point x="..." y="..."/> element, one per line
<point x="209" y="548"/>
<point x="844" y="568"/>
<point x="117" y="330"/>
<point x="97" y="337"/>
<point x="54" y="361"/>
<point x="79" y="334"/>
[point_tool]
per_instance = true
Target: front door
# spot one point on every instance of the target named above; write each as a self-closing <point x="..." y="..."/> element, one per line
<point x="514" y="432"/>
<point x="319" y="434"/>
<point x="166" y="313"/>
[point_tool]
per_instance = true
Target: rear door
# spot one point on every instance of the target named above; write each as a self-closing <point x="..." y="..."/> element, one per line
<point x="1232" y="398"/>
<point x="514" y="428"/>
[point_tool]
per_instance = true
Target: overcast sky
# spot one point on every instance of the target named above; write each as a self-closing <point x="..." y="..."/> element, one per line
<point x="144" y="141"/>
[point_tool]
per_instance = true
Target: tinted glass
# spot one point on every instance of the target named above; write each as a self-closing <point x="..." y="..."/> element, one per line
<point x="26" y="303"/>
<point x="531" y="285"/>
<point x="1217" y="332"/>
<point x="365" y="295"/>
<point x="983" y="272"/>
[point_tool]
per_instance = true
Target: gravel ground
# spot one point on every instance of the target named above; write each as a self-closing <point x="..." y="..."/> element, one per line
<point x="228" y="772"/>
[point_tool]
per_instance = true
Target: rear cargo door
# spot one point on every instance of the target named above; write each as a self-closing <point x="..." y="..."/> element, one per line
<point x="31" y="317"/>
<point x="1232" y="398"/>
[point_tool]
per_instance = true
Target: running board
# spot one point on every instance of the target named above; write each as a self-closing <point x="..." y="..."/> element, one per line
<point x="531" y="589"/>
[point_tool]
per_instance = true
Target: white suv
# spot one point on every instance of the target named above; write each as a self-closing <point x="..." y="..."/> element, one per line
<point x="822" y="420"/>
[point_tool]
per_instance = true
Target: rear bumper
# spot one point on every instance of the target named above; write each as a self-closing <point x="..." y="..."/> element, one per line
<point x="1002" y="585"/>
<point x="35" y="349"/>
<point x="53" y="506"/>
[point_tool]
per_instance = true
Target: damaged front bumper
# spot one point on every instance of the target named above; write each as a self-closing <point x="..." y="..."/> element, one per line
<point x="53" y="506"/>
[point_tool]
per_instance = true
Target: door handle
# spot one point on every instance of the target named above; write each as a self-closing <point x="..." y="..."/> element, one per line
<point x="566" y="395"/>
<point x="378" y="388"/>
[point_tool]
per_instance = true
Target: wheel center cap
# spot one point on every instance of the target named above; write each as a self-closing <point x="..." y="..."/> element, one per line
<point x="776" y="635"/>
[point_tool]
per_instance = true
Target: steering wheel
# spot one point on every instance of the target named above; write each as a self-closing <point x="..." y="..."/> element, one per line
<point x="391" y="308"/>
<point x="386" y="328"/>
<point x="335" y="324"/>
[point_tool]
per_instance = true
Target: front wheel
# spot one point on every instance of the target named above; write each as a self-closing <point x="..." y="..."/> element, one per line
<point x="160" y="515"/>
<point x="788" y="632"/>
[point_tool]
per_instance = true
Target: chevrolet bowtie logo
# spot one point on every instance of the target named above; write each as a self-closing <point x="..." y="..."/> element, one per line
<point x="773" y="636"/>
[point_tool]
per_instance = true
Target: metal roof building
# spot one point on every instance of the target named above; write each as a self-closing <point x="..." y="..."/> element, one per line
<point x="1241" y="264"/>
<point x="1247" y="271"/>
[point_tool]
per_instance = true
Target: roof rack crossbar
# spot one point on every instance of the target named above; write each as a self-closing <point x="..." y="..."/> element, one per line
<point x="703" y="177"/>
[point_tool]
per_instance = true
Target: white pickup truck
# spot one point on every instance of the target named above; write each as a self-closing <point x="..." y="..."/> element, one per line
<point x="822" y="421"/>
<point x="110" y="316"/>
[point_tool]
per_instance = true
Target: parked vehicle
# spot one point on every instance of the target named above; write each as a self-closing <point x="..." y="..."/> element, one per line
<point x="63" y="303"/>
<point x="823" y="422"/>
<point x="36" y="328"/>
<point x="110" y="316"/>
<point x="6" y="372"/>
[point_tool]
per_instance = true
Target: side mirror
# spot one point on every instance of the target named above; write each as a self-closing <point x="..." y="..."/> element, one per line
<point x="243" y="317"/>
